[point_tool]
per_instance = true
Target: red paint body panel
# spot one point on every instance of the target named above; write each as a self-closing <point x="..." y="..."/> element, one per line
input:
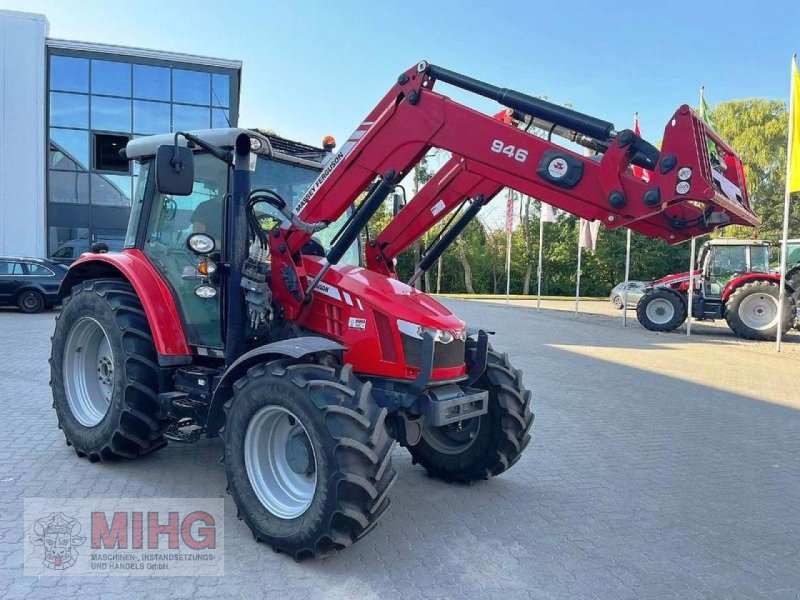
<point x="678" y="281"/>
<point x="353" y="292"/>
<point x="155" y="295"/>
<point x="746" y="278"/>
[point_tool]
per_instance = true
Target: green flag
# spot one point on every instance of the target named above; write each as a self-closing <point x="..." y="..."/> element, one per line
<point x="710" y="145"/>
<point x="704" y="110"/>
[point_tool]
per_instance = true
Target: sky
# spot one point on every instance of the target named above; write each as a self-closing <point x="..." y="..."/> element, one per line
<point x="317" y="68"/>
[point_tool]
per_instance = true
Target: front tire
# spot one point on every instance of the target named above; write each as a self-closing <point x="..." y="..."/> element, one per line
<point x="308" y="457"/>
<point x="752" y="311"/>
<point x="31" y="301"/>
<point x="618" y="303"/>
<point x="661" y="309"/>
<point x="103" y="373"/>
<point x="484" y="446"/>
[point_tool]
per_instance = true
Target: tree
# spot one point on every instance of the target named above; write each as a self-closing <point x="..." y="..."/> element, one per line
<point x="756" y="128"/>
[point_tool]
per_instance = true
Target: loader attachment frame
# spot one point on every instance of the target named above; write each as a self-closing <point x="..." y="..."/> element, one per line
<point x="685" y="197"/>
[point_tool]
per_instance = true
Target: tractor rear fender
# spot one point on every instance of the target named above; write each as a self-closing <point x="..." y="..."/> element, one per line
<point x="747" y="278"/>
<point x="154" y="294"/>
<point x="291" y="348"/>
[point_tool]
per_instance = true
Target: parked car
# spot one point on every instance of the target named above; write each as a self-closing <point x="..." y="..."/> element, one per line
<point x="30" y="284"/>
<point x="635" y="291"/>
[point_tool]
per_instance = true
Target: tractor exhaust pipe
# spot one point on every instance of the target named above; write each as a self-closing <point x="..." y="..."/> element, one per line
<point x="236" y="253"/>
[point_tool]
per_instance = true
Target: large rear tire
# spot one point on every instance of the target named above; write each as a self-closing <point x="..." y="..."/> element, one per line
<point x="104" y="374"/>
<point x="484" y="446"/>
<point x="308" y="457"/>
<point x="752" y="311"/>
<point x="793" y="279"/>
<point x="661" y="309"/>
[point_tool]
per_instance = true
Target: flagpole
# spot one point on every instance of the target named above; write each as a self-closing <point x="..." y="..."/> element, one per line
<point x="627" y="277"/>
<point x="539" y="266"/>
<point x="691" y="290"/>
<point x="786" y="200"/>
<point x="509" y="227"/>
<point x="578" y="277"/>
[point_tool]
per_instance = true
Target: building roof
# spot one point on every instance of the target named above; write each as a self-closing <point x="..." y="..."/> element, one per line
<point x="130" y="51"/>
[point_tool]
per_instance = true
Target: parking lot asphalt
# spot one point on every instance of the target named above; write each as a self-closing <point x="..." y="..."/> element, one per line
<point x="660" y="466"/>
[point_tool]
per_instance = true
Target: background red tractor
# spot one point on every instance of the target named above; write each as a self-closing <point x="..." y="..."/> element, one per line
<point x="734" y="281"/>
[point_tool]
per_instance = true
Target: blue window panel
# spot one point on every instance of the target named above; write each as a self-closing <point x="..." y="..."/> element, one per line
<point x="111" y="114"/>
<point x="111" y="190"/>
<point x="220" y="90"/>
<point x="219" y="117"/>
<point x="69" y="74"/>
<point x="151" y="83"/>
<point x="69" y="187"/>
<point x="112" y="78"/>
<point x="68" y="242"/>
<point x="69" y="110"/>
<point x="186" y="118"/>
<point x="192" y="87"/>
<point x="150" y="117"/>
<point x="69" y="149"/>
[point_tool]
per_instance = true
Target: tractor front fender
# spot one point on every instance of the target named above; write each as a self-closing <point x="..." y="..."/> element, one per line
<point x="291" y="348"/>
<point x="154" y="294"/>
<point x="747" y="278"/>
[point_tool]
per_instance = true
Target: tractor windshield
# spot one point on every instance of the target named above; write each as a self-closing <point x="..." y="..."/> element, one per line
<point x="759" y="259"/>
<point x="291" y="181"/>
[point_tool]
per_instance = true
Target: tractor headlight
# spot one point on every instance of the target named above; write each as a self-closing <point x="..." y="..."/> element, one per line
<point x="205" y="291"/>
<point x="417" y="331"/>
<point x="200" y="243"/>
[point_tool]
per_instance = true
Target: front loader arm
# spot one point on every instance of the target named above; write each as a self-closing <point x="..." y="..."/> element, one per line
<point x="450" y="186"/>
<point x="685" y="197"/>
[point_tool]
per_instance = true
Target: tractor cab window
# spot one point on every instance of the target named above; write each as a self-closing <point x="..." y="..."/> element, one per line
<point x="172" y="220"/>
<point x="291" y="181"/>
<point x="759" y="259"/>
<point x="726" y="262"/>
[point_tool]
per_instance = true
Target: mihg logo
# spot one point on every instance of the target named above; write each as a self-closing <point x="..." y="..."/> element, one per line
<point x="123" y="536"/>
<point x="59" y="537"/>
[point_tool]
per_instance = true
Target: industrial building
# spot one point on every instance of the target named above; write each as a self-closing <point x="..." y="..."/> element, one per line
<point x="67" y="108"/>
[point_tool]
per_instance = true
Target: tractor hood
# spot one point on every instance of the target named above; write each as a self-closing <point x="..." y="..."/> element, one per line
<point x="384" y="294"/>
<point x="673" y="280"/>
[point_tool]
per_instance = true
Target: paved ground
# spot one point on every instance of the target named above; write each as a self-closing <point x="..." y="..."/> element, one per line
<point x="660" y="467"/>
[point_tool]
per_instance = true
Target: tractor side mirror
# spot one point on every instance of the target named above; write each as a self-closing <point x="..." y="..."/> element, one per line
<point x="174" y="170"/>
<point x="398" y="202"/>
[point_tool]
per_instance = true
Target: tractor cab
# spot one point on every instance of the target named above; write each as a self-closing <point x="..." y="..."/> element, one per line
<point x="160" y="224"/>
<point x="722" y="260"/>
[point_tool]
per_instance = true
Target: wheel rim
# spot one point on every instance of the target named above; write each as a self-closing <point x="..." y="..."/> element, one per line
<point x="453" y="438"/>
<point x="30" y="301"/>
<point x="88" y="372"/>
<point x="618" y="302"/>
<point x="280" y="462"/>
<point x="660" y="311"/>
<point x="759" y="311"/>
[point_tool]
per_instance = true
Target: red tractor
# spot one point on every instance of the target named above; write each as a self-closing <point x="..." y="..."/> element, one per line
<point x="237" y="307"/>
<point x="734" y="281"/>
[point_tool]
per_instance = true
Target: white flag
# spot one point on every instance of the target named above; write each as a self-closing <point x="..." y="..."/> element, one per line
<point x="587" y="235"/>
<point x="546" y="214"/>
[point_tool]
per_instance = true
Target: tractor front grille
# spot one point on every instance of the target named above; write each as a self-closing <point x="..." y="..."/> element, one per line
<point x="444" y="355"/>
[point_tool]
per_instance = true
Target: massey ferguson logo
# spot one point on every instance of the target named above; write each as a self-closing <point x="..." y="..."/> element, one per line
<point x="59" y="537"/>
<point x="318" y="183"/>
